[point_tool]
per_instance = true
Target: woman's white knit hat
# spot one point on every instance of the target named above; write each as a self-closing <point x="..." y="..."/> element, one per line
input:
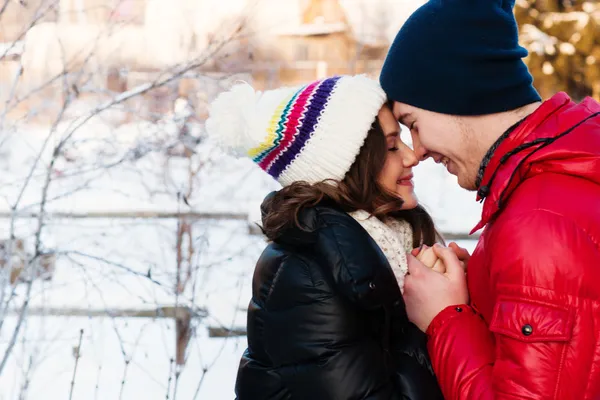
<point x="309" y="133"/>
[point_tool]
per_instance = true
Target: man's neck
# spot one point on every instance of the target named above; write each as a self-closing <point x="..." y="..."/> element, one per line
<point x="495" y="128"/>
<point x="491" y="127"/>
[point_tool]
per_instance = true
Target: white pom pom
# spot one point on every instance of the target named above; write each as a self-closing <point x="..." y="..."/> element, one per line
<point x="232" y="119"/>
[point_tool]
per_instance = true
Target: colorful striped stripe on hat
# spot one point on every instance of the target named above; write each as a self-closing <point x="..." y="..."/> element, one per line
<point x="296" y="123"/>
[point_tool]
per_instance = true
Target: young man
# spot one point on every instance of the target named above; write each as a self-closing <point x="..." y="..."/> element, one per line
<point x="531" y="327"/>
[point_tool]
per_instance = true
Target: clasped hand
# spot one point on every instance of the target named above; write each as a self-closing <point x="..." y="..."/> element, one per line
<point x="436" y="279"/>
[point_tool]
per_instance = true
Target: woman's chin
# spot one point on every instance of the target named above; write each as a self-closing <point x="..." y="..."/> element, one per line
<point x="410" y="200"/>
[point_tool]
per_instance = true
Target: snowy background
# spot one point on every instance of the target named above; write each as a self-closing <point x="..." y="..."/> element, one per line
<point x="105" y="263"/>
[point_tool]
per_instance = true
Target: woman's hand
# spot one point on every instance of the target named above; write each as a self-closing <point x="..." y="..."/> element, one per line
<point x="428" y="257"/>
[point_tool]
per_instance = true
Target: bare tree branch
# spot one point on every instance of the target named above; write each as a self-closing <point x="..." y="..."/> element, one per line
<point x="77" y="355"/>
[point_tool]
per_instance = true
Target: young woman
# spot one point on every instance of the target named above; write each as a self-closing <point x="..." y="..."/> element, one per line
<point x="327" y="319"/>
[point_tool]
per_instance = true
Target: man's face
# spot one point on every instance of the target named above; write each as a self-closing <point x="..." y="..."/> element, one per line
<point x="445" y="138"/>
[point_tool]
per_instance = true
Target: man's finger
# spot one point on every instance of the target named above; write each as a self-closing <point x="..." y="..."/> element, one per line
<point x="447" y="255"/>
<point x="461" y="253"/>
<point x="415" y="266"/>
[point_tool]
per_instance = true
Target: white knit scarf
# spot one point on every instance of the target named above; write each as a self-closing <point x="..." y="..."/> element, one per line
<point x="394" y="237"/>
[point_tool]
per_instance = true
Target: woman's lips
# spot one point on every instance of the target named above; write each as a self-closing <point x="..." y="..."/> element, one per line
<point x="406" y="181"/>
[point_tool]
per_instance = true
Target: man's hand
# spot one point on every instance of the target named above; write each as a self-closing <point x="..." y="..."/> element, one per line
<point x="427" y="292"/>
<point x="462" y="254"/>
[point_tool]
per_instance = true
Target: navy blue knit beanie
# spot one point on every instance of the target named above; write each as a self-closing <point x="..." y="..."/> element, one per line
<point x="459" y="57"/>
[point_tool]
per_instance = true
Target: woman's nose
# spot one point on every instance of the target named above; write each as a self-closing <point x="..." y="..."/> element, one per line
<point x="410" y="158"/>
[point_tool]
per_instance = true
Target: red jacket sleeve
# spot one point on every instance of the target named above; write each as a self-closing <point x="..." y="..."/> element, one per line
<point x="543" y="278"/>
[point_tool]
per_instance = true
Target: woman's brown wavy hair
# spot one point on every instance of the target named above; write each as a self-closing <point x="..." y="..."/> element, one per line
<point x="359" y="190"/>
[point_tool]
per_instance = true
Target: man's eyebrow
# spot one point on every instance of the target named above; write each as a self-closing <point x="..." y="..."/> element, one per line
<point x="402" y="116"/>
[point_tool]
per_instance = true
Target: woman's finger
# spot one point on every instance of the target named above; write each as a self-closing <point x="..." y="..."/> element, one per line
<point x="439" y="266"/>
<point x="427" y="257"/>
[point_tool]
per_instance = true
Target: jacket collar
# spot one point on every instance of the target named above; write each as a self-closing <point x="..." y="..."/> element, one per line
<point x="531" y="142"/>
<point x="490" y="153"/>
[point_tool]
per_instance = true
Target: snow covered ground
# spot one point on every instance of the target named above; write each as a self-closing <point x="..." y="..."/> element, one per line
<point x="147" y="347"/>
<point x="83" y="281"/>
<point x="105" y="263"/>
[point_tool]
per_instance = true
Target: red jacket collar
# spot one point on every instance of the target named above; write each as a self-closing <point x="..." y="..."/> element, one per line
<point x="509" y="164"/>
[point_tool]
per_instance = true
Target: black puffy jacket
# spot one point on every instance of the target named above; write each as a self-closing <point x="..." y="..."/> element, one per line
<point x="327" y="320"/>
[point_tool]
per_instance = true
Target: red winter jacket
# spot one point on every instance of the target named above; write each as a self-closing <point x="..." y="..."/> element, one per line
<point x="532" y="330"/>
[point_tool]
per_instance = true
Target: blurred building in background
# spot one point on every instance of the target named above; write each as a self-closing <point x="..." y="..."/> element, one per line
<point x="110" y="46"/>
<point x="321" y="41"/>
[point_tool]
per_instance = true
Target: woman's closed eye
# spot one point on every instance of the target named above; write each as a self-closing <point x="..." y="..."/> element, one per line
<point x="393" y="140"/>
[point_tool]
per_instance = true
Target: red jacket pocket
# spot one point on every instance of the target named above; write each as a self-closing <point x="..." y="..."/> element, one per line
<point x="532" y="321"/>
